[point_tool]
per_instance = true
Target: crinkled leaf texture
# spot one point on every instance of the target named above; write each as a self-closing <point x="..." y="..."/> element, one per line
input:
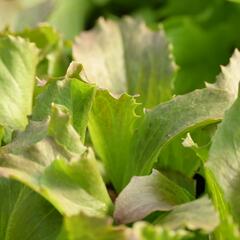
<point x="127" y="56"/>
<point x="50" y="158"/>
<point x="70" y="92"/>
<point x="129" y="140"/>
<point x="25" y="214"/>
<point x="18" y="60"/>
<point x="54" y="58"/>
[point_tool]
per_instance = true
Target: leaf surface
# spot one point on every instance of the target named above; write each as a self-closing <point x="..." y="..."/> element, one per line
<point x="56" y="165"/>
<point x="127" y="57"/>
<point x="26" y="215"/>
<point x="70" y="92"/>
<point x="158" y="193"/>
<point x="196" y="215"/>
<point x="222" y="167"/>
<point x="131" y="146"/>
<point x="18" y="60"/>
<point x="82" y="227"/>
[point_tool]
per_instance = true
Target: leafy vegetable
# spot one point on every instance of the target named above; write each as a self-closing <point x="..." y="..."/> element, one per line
<point x="18" y="60"/>
<point x="70" y="92"/>
<point x="127" y="57"/>
<point x="24" y="214"/>
<point x="158" y="193"/>
<point x="192" y="215"/>
<point x="105" y="147"/>
<point x="83" y="227"/>
<point x="52" y="163"/>
<point x="222" y="164"/>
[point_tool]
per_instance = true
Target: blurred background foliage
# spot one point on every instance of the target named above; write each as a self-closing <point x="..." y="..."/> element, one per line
<point x="203" y="33"/>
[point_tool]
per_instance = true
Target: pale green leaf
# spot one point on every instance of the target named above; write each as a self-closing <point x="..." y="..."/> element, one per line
<point x="26" y="215"/>
<point x="56" y="165"/>
<point x="18" y="60"/>
<point x="82" y="227"/>
<point x="144" y="195"/>
<point x="127" y="56"/>
<point x="131" y="146"/>
<point x="146" y="231"/>
<point x="54" y="52"/>
<point x="196" y="215"/>
<point x="223" y="162"/>
<point x="222" y="170"/>
<point x="70" y="92"/>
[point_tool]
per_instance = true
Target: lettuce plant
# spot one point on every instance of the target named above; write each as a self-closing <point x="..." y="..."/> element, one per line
<point x="83" y="154"/>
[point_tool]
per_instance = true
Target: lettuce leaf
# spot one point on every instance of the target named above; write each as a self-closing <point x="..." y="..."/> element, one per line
<point x="50" y="158"/>
<point x="127" y="56"/>
<point x="25" y="214"/>
<point x="130" y="146"/>
<point x="18" y="60"/>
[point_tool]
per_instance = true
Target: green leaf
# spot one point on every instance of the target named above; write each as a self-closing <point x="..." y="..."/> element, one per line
<point x="175" y="8"/>
<point x="223" y="159"/>
<point x="176" y="157"/>
<point x="82" y="227"/>
<point x="26" y="215"/>
<point x="229" y="77"/>
<point x="228" y="230"/>
<point x="201" y="152"/>
<point x="127" y="56"/>
<point x="62" y="131"/>
<point x="146" y="231"/>
<point x="112" y="125"/>
<point x="182" y="180"/>
<point x="158" y="193"/>
<point x="33" y="13"/>
<point x="56" y="165"/>
<point x="202" y="32"/>
<point x="222" y="168"/>
<point x="18" y="60"/>
<point x="44" y="36"/>
<point x="70" y="92"/>
<point x="196" y="215"/>
<point x="131" y="146"/>
<point x="54" y="52"/>
<point x="77" y="11"/>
